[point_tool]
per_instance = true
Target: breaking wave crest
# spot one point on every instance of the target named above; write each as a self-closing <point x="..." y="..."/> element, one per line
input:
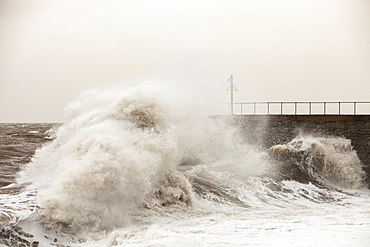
<point x="106" y="164"/>
<point x="326" y="161"/>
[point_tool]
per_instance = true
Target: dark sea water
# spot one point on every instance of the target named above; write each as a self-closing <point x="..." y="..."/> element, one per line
<point x="18" y="143"/>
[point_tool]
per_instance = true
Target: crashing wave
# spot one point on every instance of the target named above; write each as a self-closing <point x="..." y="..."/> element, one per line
<point x="103" y="167"/>
<point x="326" y="161"/>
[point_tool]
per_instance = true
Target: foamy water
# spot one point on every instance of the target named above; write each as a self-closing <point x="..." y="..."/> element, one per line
<point x="133" y="168"/>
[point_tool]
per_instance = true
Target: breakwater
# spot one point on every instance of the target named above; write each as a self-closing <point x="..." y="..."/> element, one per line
<point x="269" y="130"/>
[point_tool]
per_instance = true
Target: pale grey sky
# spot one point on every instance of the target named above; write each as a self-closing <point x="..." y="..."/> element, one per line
<point x="277" y="50"/>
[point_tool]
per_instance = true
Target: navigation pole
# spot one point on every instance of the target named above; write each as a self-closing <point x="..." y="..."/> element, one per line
<point x="231" y="88"/>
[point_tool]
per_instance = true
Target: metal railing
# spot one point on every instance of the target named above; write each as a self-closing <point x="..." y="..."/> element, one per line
<point x="302" y="108"/>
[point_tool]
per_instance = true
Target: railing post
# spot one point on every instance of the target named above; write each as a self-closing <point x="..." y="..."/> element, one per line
<point x="339" y="107"/>
<point x="354" y="108"/>
<point x="241" y="108"/>
<point x="281" y="108"/>
<point x="295" y="108"/>
<point x="268" y="108"/>
<point x="310" y="109"/>
<point x="324" y="108"/>
<point x="254" y="108"/>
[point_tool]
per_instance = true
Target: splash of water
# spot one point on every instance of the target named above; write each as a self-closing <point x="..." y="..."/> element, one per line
<point x="119" y="153"/>
<point x="329" y="161"/>
<point x="113" y="158"/>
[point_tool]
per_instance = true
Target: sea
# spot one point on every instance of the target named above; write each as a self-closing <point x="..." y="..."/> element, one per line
<point x="127" y="168"/>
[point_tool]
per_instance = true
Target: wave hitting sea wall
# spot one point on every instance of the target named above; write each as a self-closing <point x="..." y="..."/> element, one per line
<point x="269" y="130"/>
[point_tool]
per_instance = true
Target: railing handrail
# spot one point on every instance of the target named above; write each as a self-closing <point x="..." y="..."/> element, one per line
<point x="310" y="103"/>
<point x="251" y="102"/>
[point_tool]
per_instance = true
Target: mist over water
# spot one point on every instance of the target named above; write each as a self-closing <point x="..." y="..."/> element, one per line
<point x="128" y="164"/>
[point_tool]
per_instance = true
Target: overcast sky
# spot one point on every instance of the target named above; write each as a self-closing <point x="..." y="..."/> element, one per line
<point x="277" y="50"/>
